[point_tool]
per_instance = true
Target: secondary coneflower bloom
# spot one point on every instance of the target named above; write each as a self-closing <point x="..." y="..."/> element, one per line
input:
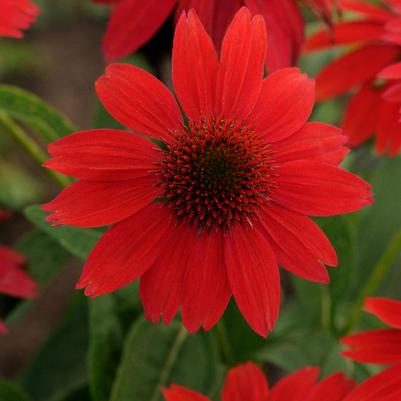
<point x="13" y="280"/>
<point x="369" y="68"/>
<point x="15" y="16"/>
<point x="382" y="345"/>
<point x="247" y="382"/>
<point x="134" y="22"/>
<point x="224" y="198"/>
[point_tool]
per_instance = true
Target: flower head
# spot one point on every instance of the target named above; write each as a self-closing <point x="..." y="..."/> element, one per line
<point x="382" y="345"/>
<point x="13" y="280"/>
<point x="211" y="211"/>
<point x="134" y="22"/>
<point x="247" y="382"/>
<point x="15" y="16"/>
<point x="371" y="68"/>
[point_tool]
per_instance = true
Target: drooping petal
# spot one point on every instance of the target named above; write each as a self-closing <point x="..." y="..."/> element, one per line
<point x="374" y="346"/>
<point x="302" y="246"/>
<point x="161" y="287"/>
<point x="205" y="290"/>
<point x="384" y="386"/>
<point x="388" y="129"/>
<point x="295" y="386"/>
<point x="126" y="250"/>
<point x="387" y="310"/>
<point x="13" y="280"/>
<point x="241" y="66"/>
<point x="353" y="69"/>
<point x="285" y="31"/>
<point x="132" y="24"/>
<point x="139" y="101"/>
<point x="245" y="382"/>
<point x="195" y="67"/>
<point x="100" y="203"/>
<point x="103" y="155"/>
<point x="285" y="103"/>
<point x="318" y="189"/>
<point x="253" y="276"/>
<point x="345" y="33"/>
<point x="314" y="141"/>
<point x="366" y="9"/>
<point x="361" y="115"/>
<point x="178" y="393"/>
<point x="333" y="388"/>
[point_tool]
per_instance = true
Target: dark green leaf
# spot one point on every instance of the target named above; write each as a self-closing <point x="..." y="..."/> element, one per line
<point x="10" y="391"/>
<point x="60" y="368"/>
<point x="156" y="355"/>
<point x="78" y="241"/>
<point x="34" y="112"/>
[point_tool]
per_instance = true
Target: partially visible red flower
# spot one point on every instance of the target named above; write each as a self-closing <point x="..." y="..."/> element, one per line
<point x="375" y="106"/>
<point x="248" y="383"/>
<point x="13" y="280"/>
<point x="15" y="16"/>
<point x="212" y="211"/>
<point x="134" y="22"/>
<point x="381" y="346"/>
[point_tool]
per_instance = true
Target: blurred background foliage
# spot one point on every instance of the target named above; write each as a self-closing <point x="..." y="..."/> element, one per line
<point x="64" y="346"/>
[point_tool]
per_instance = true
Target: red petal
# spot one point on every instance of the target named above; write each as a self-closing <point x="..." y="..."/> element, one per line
<point x="304" y="249"/>
<point x="318" y="189"/>
<point x="333" y="388"/>
<point x="126" y="250"/>
<point x="392" y="71"/>
<point x="98" y="203"/>
<point x="245" y="382"/>
<point x="345" y="33"/>
<point x="161" y="286"/>
<point x="393" y="93"/>
<point x="354" y="68"/>
<point x="387" y="310"/>
<point x="3" y="328"/>
<point x="206" y="291"/>
<point x="254" y="277"/>
<point x="13" y="280"/>
<point x="285" y="31"/>
<point x="384" y="386"/>
<point x="366" y="9"/>
<point x="103" y="155"/>
<point x="314" y="141"/>
<point x="388" y="129"/>
<point x="139" y="101"/>
<point x="241" y="69"/>
<point x="284" y="105"/>
<point x="132" y="24"/>
<point x="375" y="346"/>
<point x="296" y="386"/>
<point x="361" y="115"/>
<point x="195" y="67"/>
<point x="178" y="393"/>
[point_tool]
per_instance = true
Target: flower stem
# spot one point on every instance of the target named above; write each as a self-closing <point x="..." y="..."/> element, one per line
<point x="30" y="146"/>
<point x="221" y="332"/>
<point x="374" y="281"/>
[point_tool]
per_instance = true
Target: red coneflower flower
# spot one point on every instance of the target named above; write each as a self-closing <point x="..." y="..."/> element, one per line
<point x="378" y="346"/>
<point x="224" y="198"/>
<point x="134" y="22"/>
<point x="247" y="382"/>
<point x="375" y="107"/>
<point x="13" y="280"/>
<point x="15" y="16"/>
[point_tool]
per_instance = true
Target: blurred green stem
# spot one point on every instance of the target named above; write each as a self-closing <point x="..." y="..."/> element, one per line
<point x="374" y="281"/>
<point x="30" y="146"/>
<point x="221" y="332"/>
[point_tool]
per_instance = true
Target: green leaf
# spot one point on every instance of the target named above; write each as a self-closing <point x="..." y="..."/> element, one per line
<point x="45" y="257"/>
<point x="10" y="391"/>
<point x="78" y="241"/>
<point x="59" y="368"/>
<point x="106" y="340"/>
<point x="156" y="355"/>
<point x="34" y="112"/>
